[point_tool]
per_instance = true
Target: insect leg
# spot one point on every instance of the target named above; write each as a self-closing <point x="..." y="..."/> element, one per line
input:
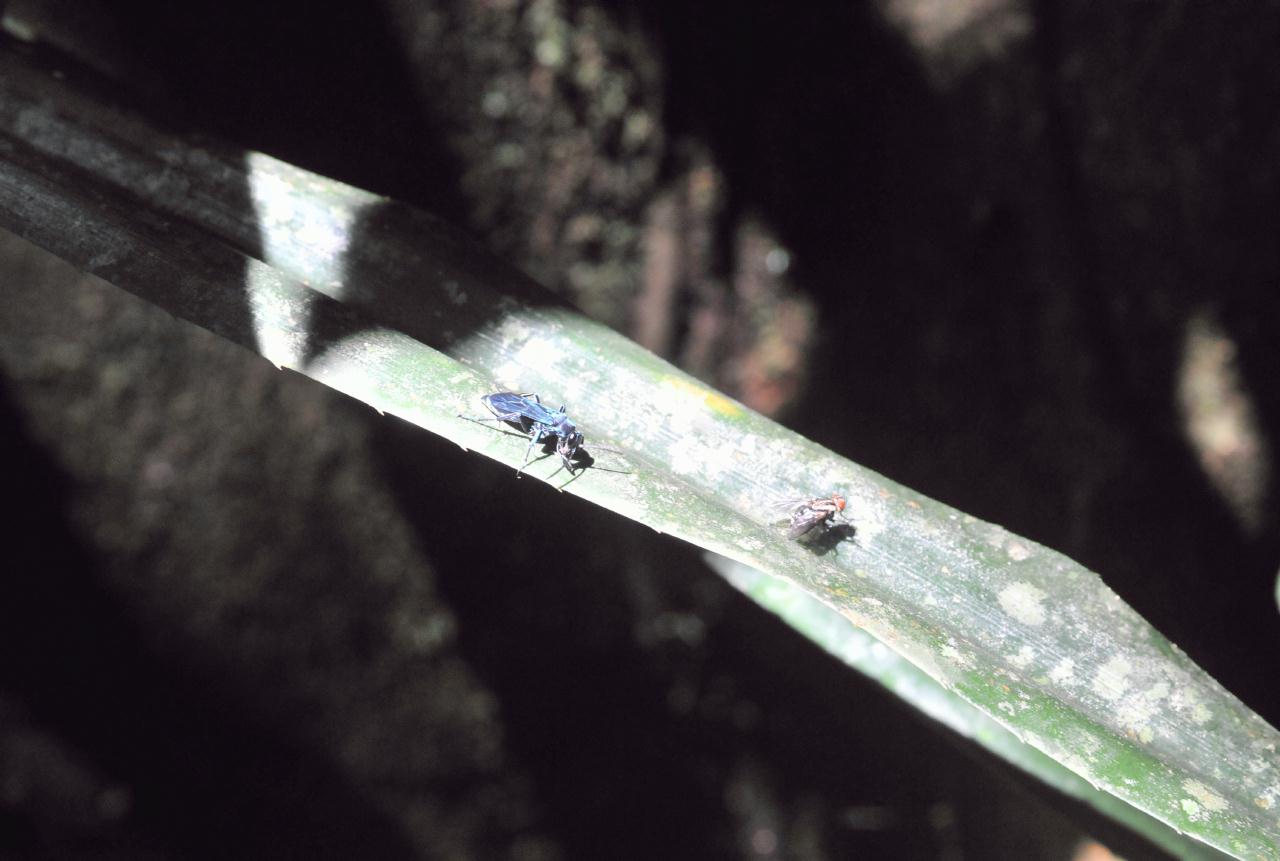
<point x="566" y="456"/>
<point x="536" y="435"/>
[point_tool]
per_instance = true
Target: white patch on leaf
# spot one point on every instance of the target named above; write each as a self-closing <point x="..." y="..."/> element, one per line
<point x="1023" y="602"/>
<point x="1111" y="681"/>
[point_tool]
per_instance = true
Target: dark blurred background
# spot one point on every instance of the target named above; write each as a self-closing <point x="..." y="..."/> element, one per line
<point x="1020" y="256"/>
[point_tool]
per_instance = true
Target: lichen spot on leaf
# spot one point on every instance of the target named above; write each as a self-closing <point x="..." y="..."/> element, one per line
<point x="1023" y="602"/>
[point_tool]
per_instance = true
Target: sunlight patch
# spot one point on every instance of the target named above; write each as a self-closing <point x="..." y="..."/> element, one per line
<point x="302" y="233"/>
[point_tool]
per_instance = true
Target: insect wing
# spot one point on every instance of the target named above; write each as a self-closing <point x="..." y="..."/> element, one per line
<point x="790" y="504"/>
<point x="805" y="518"/>
<point x="510" y="402"/>
<point x="512" y="409"/>
<point x="505" y="403"/>
<point x="809" y="512"/>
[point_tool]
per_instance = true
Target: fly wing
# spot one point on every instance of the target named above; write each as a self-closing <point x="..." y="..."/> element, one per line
<point x="803" y="520"/>
<point x="801" y="515"/>
<point x="790" y="504"/>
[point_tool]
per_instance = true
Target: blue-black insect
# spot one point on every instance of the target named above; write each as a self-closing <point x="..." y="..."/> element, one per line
<point x="526" y="413"/>
<point x="806" y="514"/>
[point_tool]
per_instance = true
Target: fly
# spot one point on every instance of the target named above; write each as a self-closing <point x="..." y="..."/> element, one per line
<point x="807" y="514"/>
<point x="526" y="413"/>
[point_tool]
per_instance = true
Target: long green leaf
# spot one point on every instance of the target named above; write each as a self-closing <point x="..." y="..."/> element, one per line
<point x="388" y="305"/>
<point x="830" y="630"/>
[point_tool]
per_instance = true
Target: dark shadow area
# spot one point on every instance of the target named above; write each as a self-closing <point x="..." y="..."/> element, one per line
<point x="539" y="583"/>
<point x="390" y="275"/>
<point x="820" y="120"/>
<point x="321" y="87"/>
<point x="102" y="119"/>
<point x="828" y="538"/>
<point x="206" y="781"/>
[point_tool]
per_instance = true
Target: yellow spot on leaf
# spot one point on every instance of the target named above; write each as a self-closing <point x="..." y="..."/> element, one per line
<point x="713" y="400"/>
